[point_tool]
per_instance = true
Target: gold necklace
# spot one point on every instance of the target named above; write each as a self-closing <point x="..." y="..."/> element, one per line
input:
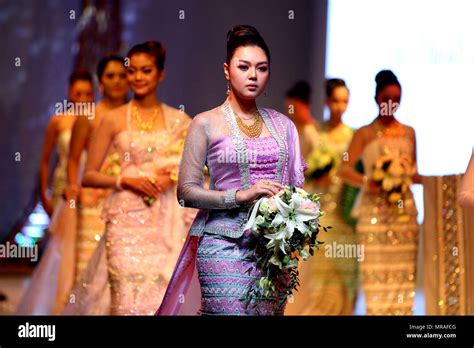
<point x="144" y="125"/>
<point x="389" y="131"/>
<point x="254" y="130"/>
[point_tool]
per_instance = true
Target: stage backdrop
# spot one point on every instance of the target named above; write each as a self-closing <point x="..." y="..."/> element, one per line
<point x="38" y="47"/>
<point x="194" y="33"/>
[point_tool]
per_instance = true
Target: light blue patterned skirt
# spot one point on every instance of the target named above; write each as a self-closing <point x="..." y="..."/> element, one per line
<point x="222" y="270"/>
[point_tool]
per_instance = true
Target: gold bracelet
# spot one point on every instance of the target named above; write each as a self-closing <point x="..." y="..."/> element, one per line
<point x="174" y="175"/>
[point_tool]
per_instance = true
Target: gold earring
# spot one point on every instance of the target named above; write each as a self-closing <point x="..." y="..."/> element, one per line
<point x="228" y="88"/>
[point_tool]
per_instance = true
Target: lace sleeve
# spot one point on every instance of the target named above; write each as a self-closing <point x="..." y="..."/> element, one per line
<point x="191" y="192"/>
<point x="297" y="163"/>
<point x="466" y="193"/>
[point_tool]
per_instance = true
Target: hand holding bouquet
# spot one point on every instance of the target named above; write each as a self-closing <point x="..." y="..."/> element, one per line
<point x="164" y="178"/>
<point x="286" y="227"/>
<point x="393" y="175"/>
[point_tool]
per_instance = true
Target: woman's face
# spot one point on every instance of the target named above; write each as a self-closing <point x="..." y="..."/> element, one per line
<point x="81" y="91"/>
<point x="337" y="102"/>
<point x="143" y="75"/>
<point x="113" y="83"/>
<point x="248" y="72"/>
<point x="388" y="100"/>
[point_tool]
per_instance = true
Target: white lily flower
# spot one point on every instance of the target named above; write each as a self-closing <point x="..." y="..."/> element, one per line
<point x="277" y="240"/>
<point x="293" y="215"/>
<point x="264" y="205"/>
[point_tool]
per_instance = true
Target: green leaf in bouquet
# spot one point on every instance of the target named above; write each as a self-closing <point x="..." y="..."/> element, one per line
<point x="314" y="197"/>
<point x="304" y="254"/>
<point x="313" y="239"/>
<point x="293" y="263"/>
<point x="245" y="298"/>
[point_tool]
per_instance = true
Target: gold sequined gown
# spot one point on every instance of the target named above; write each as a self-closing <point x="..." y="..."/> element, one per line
<point x="136" y="256"/>
<point x="143" y="242"/>
<point x="389" y="236"/>
<point x="91" y="227"/>
<point x="328" y="282"/>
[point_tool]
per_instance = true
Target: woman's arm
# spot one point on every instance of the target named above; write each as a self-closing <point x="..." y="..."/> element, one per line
<point x="50" y="140"/>
<point x="417" y="178"/>
<point x="347" y="172"/>
<point x="191" y="192"/>
<point x="466" y="192"/>
<point x="97" y="151"/>
<point x="80" y="134"/>
<point x="101" y="139"/>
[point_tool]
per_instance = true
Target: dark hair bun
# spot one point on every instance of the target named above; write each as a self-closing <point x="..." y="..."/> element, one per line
<point x="244" y="35"/>
<point x="385" y="78"/>
<point x="301" y="90"/>
<point x="242" y="31"/>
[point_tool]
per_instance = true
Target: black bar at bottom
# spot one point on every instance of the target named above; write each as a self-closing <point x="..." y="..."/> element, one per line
<point x="235" y="331"/>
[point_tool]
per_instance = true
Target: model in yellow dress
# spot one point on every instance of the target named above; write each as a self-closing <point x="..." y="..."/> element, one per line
<point x="387" y="231"/>
<point x="112" y="77"/>
<point x="329" y="278"/>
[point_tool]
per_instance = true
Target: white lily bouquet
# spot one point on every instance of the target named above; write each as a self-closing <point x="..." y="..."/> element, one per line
<point x="394" y="174"/>
<point x="320" y="162"/>
<point x="286" y="226"/>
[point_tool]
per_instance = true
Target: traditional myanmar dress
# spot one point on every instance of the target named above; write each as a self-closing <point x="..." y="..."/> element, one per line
<point x="389" y="235"/>
<point x="210" y="277"/>
<point x="329" y="278"/>
<point x="141" y="244"/>
<point x="91" y="227"/>
<point x="53" y="276"/>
